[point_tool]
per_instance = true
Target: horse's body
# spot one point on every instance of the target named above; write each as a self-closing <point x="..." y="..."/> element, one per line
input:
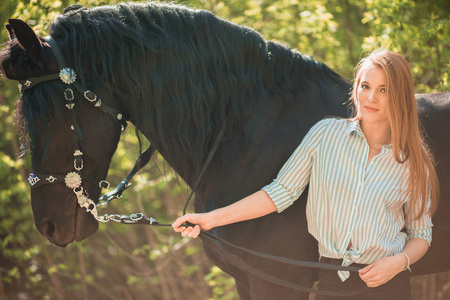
<point x="176" y="74"/>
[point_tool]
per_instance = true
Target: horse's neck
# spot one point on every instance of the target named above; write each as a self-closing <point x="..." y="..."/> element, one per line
<point x="268" y="136"/>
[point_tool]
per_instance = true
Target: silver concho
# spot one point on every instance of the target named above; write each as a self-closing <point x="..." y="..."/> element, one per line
<point x="73" y="180"/>
<point x="67" y="75"/>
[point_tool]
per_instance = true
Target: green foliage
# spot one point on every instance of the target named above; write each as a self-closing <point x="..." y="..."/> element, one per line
<point x="131" y="262"/>
<point x="221" y="284"/>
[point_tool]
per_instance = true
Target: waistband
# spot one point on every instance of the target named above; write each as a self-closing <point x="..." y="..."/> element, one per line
<point x="337" y="261"/>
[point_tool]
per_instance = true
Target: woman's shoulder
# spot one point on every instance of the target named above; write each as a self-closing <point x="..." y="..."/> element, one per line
<point x="332" y="124"/>
<point x="327" y="128"/>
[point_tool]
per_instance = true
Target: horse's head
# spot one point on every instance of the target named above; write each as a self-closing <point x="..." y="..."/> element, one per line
<point x="65" y="136"/>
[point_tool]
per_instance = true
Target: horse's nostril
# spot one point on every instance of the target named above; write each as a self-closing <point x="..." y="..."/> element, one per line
<point x="48" y="229"/>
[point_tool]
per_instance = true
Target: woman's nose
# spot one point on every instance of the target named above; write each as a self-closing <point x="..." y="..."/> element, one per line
<point x="371" y="97"/>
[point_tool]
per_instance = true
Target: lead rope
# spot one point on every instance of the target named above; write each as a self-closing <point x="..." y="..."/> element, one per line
<point x="140" y="219"/>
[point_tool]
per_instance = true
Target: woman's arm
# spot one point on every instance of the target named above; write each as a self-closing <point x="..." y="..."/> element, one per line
<point x="254" y="206"/>
<point x="386" y="268"/>
<point x="284" y="190"/>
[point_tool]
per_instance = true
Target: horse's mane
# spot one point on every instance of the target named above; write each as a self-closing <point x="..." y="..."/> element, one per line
<point x="187" y="68"/>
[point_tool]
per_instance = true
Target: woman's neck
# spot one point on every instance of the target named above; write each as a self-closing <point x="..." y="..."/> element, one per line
<point x="377" y="134"/>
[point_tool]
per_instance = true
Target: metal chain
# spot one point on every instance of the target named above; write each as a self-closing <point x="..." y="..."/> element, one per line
<point x="91" y="207"/>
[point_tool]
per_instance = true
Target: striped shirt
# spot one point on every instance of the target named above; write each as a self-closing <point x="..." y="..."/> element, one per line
<point x="347" y="201"/>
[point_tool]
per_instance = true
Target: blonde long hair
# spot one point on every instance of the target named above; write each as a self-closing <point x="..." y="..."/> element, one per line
<point x="408" y="144"/>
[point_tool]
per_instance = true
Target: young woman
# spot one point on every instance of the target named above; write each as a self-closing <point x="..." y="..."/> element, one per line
<point x="369" y="177"/>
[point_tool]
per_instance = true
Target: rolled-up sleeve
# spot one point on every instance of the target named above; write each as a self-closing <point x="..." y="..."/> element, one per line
<point x="294" y="176"/>
<point x="419" y="228"/>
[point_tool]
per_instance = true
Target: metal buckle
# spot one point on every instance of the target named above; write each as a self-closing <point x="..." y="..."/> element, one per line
<point x="68" y="94"/>
<point x="136" y="216"/>
<point x="103" y="184"/>
<point x="78" y="168"/>
<point x="90" y="96"/>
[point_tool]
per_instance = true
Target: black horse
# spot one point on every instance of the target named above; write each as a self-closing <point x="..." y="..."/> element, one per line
<point x="177" y="74"/>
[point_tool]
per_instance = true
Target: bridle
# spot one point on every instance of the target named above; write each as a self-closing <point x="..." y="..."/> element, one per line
<point x="75" y="178"/>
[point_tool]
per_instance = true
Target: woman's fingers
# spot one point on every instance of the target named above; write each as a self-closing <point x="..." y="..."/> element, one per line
<point x="189" y="231"/>
<point x="186" y="231"/>
<point x="194" y="232"/>
<point x="178" y="222"/>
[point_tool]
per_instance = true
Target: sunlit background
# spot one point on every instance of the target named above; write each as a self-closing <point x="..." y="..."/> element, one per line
<point x="131" y="262"/>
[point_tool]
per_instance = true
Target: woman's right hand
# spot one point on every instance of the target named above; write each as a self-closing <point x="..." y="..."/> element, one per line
<point x="201" y="221"/>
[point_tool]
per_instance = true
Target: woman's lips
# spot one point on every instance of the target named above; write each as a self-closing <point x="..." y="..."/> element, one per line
<point x="371" y="109"/>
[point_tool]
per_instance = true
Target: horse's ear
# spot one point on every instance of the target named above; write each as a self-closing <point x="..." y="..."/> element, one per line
<point x="10" y="31"/>
<point x="25" y="35"/>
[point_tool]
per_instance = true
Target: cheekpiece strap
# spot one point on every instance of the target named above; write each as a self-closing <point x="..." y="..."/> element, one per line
<point x="57" y="52"/>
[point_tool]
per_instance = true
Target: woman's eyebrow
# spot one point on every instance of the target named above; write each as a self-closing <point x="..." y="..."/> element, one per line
<point x="381" y="85"/>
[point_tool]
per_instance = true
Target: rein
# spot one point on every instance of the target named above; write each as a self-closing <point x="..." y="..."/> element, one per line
<point x="74" y="180"/>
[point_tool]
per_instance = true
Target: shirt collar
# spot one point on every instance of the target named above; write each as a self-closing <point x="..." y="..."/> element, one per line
<point x="354" y="126"/>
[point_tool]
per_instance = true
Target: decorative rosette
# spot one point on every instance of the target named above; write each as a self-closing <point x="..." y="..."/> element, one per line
<point x="73" y="180"/>
<point x="67" y="75"/>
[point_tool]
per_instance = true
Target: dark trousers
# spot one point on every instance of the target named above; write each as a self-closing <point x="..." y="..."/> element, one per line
<point x="397" y="288"/>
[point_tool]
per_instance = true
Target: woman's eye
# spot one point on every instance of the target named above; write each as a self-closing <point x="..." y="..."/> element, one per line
<point x="383" y="90"/>
<point x="364" y="86"/>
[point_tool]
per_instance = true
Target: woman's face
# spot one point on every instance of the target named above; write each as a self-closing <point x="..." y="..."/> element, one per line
<point x="372" y="96"/>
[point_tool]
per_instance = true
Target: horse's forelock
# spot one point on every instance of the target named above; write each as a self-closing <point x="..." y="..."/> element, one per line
<point x="13" y="61"/>
<point x="37" y="106"/>
<point x="15" y="64"/>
